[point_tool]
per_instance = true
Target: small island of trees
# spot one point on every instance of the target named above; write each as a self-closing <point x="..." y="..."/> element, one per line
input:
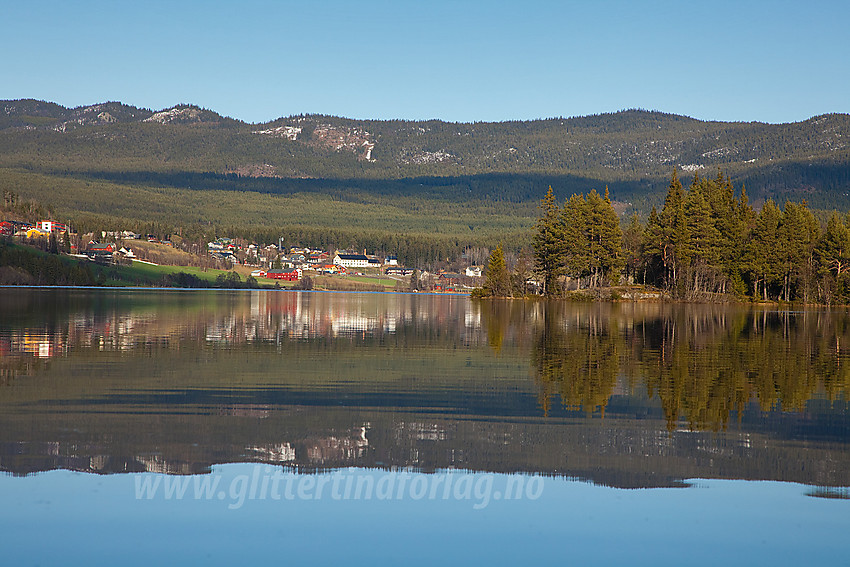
<point x="707" y="243"/>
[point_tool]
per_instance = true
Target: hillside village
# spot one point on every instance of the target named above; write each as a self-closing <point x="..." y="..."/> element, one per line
<point x="266" y="263"/>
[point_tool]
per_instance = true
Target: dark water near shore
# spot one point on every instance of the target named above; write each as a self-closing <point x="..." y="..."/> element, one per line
<point x="737" y="418"/>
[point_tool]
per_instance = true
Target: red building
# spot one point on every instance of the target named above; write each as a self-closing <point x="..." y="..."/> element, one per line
<point x="98" y="248"/>
<point x="51" y="226"/>
<point x="288" y="275"/>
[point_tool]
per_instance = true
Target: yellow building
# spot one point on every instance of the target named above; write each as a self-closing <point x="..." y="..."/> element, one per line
<point x="36" y="233"/>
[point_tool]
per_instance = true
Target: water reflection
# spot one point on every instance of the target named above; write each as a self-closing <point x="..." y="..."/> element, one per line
<point x="704" y="363"/>
<point x="621" y="394"/>
<point x="42" y="324"/>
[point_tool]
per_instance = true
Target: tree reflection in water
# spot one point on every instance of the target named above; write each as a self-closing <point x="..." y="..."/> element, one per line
<point x="703" y="362"/>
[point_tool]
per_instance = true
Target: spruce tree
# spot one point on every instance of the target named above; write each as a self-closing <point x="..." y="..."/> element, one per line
<point x="652" y="245"/>
<point x="612" y="242"/>
<point x="547" y="243"/>
<point x="798" y="234"/>
<point x="498" y="281"/>
<point x="576" y="252"/>
<point x="703" y="244"/>
<point x="833" y="257"/>
<point x="674" y="233"/>
<point x="762" y="254"/>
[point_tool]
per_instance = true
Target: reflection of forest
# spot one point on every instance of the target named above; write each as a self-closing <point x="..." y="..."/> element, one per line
<point x="702" y="362"/>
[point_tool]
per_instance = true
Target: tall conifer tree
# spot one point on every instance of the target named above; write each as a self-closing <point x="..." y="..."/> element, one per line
<point x="498" y="279"/>
<point x="762" y="255"/>
<point x="674" y="232"/>
<point x="547" y="242"/>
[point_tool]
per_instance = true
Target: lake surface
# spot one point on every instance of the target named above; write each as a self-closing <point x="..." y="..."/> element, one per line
<point x="237" y="427"/>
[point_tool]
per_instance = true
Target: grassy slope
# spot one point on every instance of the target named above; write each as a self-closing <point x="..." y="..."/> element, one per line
<point x="147" y="272"/>
<point x="141" y="274"/>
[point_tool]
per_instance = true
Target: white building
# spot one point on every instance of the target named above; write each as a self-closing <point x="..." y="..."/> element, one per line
<point x="352" y="260"/>
<point x="127" y="252"/>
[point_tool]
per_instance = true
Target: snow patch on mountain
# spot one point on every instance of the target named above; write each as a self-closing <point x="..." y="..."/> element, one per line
<point x="341" y="138"/>
<point x="288" y="132"/>
<point x="87" y="116"/>
<point x="692" y="167"/>
<point x="176" y="115"/>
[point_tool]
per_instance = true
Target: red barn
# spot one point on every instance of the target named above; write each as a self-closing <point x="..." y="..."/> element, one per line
<point x="288" y="275"/>
<point x="98" y="248"/>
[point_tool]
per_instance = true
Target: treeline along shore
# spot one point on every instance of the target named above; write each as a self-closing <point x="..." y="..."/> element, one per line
<point x="706" y="244"/>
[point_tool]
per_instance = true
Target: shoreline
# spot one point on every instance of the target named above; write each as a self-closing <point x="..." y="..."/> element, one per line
<point x="664" y="300"/>
<point x="658" y="296"/>
<point x="212" y="289"/>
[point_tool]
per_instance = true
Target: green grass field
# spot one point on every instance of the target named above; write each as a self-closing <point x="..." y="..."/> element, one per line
<point x="386" y="282"/>
<point x="141" y="274"/>
<point x="155" y="272"/>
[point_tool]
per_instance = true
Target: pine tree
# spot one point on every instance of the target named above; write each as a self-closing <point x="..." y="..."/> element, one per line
<point x="576" y="253"/>
<point x="674" y="233"/>
<point x="652" y="245"/>
<point x="798" y="234"/>
<point x="548" y="245"/>
<point x="833" y="257"/>
<point x="498" y="281"/>
<point x="762" y="255"/>
<point x="612" y="242"/>
<point x="741" y="231"/>
<point x="595" y="248"/>
<point x="704" y="241"/>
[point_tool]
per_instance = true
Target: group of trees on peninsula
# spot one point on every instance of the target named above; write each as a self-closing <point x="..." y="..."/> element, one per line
<point x="707" y="242"/>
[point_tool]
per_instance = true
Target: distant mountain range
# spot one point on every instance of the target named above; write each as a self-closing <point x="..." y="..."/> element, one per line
<point x="632" y="151"/>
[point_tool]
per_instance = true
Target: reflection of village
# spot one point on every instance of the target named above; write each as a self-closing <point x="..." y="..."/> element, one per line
<point x="274" y="317"/>
<point x="253" y="317"/>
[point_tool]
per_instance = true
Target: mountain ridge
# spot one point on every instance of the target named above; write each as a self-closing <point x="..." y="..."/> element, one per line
<point x="625" y="144"/>
<point x="632" y="151"/>
<point x="633" y="110"/>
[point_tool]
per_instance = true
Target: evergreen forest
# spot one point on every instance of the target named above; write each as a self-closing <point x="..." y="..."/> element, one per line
<point x="705" y="243"/>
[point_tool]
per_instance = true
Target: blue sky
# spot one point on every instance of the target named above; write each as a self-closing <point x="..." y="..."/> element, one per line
<point x="459" y="60"/>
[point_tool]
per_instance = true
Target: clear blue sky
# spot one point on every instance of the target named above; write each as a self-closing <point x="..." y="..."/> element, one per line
<point x="457" y="60"/>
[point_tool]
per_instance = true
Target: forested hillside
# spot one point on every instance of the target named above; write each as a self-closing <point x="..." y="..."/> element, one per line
<point x="460" y="182"/>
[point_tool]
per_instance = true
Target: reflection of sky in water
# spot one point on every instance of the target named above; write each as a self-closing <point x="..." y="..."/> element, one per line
<point x="69" y="518"/>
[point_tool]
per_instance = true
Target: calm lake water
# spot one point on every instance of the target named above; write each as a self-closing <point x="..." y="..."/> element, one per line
<point x="237" y="427"/>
